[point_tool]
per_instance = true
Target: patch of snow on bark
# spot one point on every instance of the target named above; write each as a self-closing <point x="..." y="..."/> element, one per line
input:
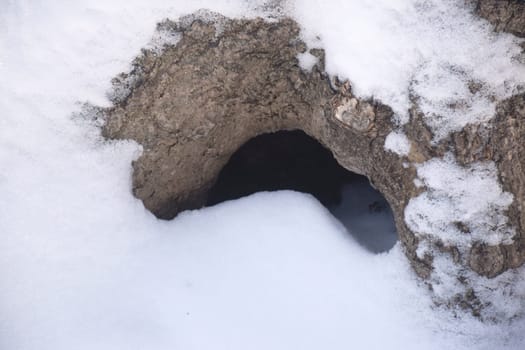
<point x="162" y="38"/>
<point x="398" y="143"/>
<point x="307" y="61"/>
<point x="461" y="204"/>
<point x="502" y="297"/>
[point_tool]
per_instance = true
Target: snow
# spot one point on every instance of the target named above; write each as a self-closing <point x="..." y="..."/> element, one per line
<point x="162" y="38"/>
<point x="83" y="265"/>
<point x="398" y="143"/>
<point x="459" y="207"/>
<point x="434" y="51"/>
<point x="307" y="61"/>
<point x="471" y="196"/>
<point x="506" y="292"/>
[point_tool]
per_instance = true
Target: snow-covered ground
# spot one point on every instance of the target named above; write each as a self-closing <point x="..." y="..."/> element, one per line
<point x="84" y="266"/>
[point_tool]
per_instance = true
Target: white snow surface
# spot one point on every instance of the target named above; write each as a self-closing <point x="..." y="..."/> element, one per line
<point x="84" y="266"/>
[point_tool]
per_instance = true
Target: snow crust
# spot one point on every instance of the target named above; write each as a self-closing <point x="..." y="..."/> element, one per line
<point x="84" y="266"/>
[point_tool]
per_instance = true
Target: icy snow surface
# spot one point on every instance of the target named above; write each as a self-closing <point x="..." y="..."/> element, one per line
<point x="84" y="266"/>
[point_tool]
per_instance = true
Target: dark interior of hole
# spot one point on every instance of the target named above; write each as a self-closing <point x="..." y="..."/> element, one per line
<point x="292" y="160"/>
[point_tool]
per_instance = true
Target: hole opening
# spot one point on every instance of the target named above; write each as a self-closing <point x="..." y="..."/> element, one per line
<point x="292" y="160"/>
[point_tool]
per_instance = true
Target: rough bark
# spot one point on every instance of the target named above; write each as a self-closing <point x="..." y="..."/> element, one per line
<point x="192" y="106"/>
<point x="505" y="15"/>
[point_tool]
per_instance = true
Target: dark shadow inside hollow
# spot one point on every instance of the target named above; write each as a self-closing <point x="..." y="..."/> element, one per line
<point x="292" y="160"/>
